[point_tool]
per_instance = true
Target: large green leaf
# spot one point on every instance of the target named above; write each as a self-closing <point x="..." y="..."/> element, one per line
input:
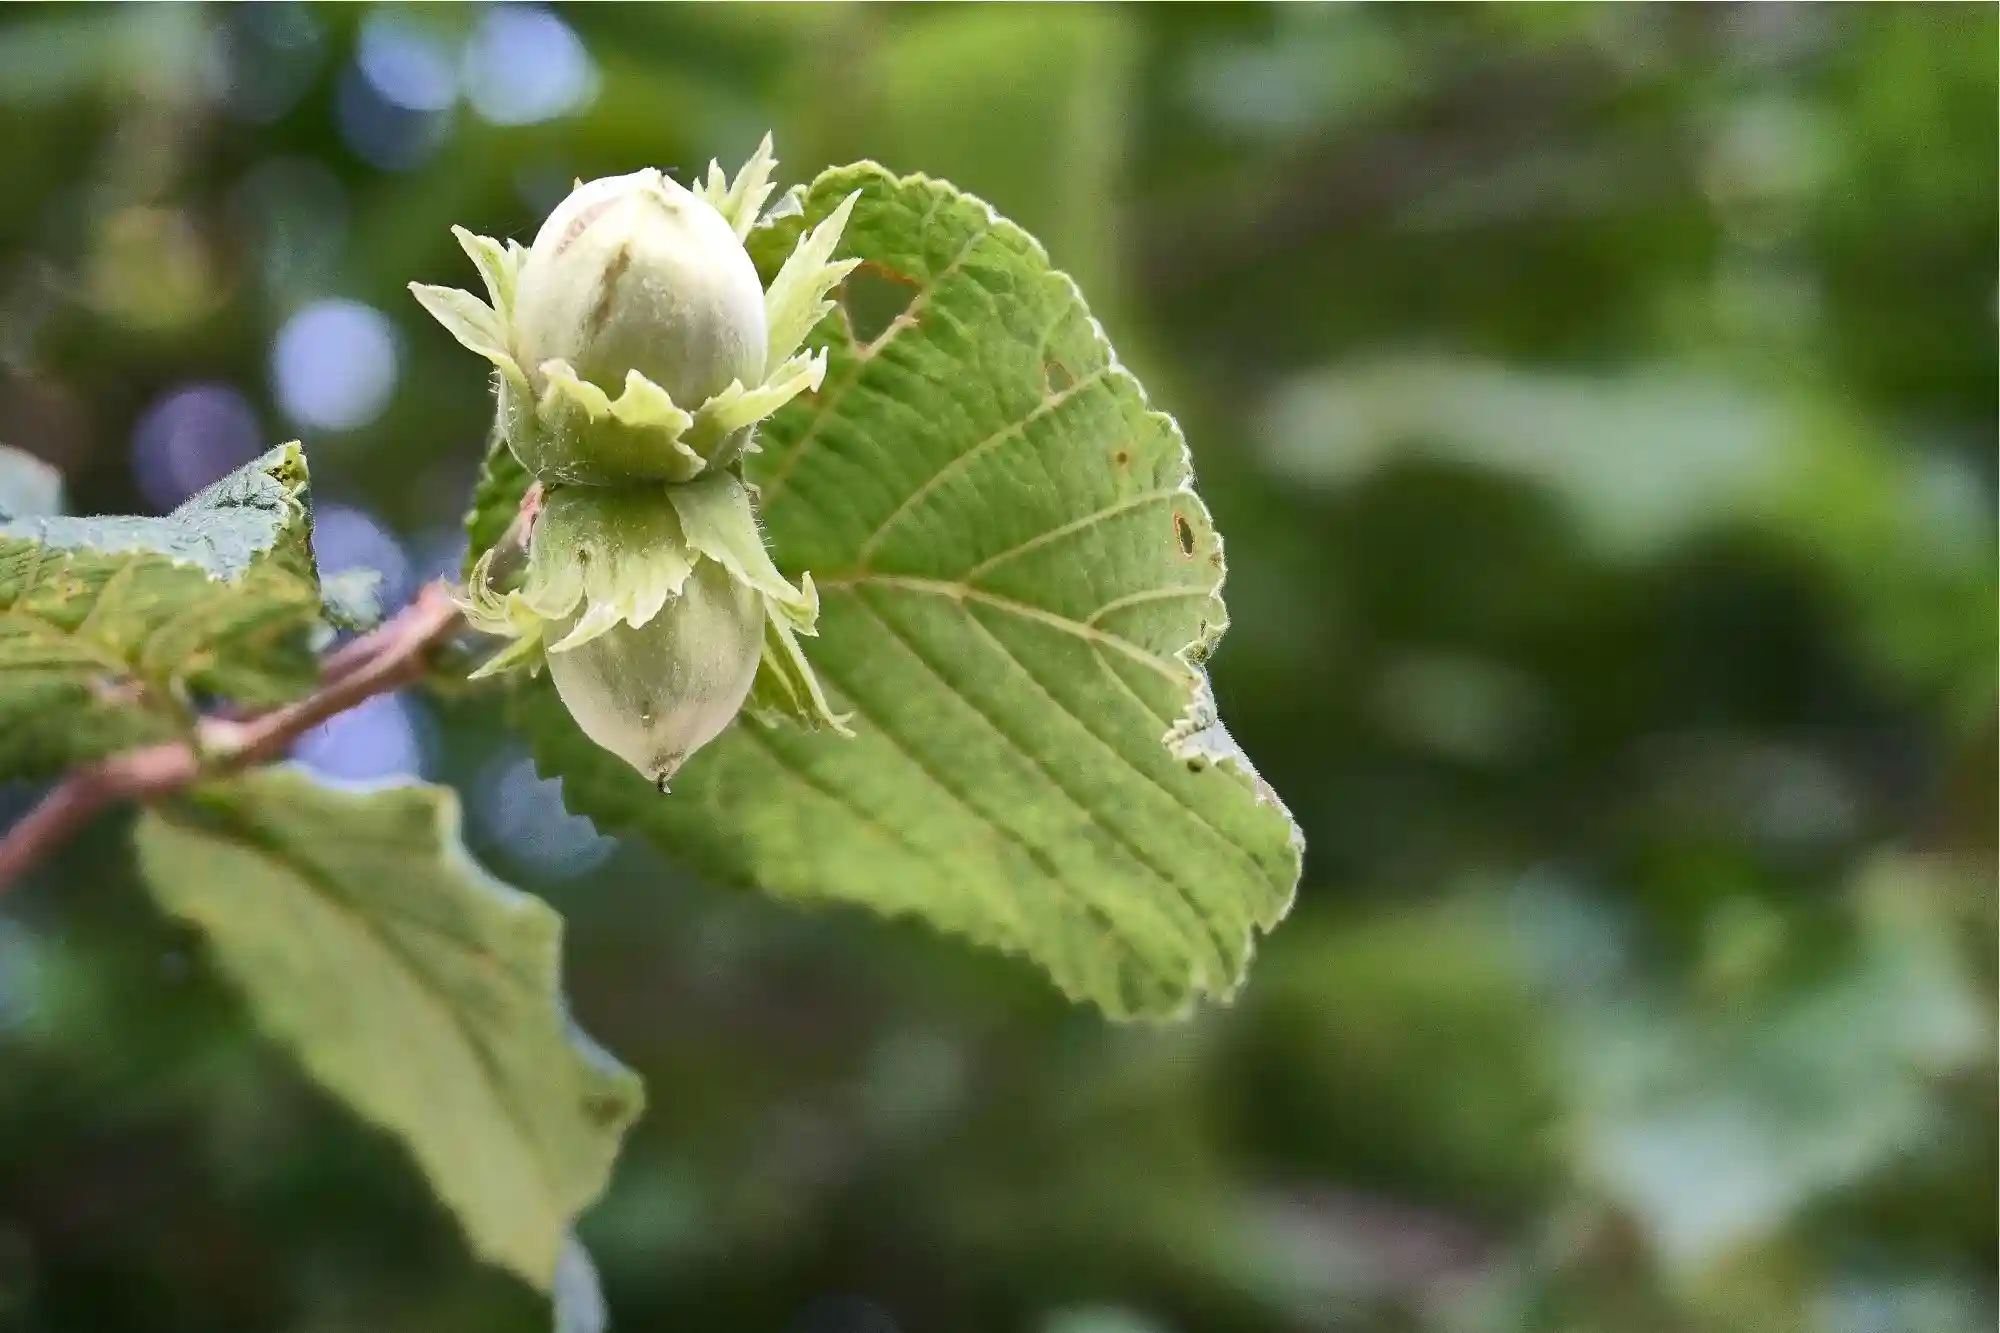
<point x="415" y="986"/>
<point x="113" y="629"/>
<point x="1018" y="584"/>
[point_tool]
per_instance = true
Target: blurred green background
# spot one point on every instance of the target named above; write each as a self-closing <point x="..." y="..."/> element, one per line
<point x="1599" y="403"/>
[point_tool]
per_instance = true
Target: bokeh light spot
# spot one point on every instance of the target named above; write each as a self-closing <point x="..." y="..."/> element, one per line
<point x="525" y="814"/>
<point x="188" y="438"/>
<point x="346" y="538"/>
<point x="368" y="743"/>
<point x="408" y="66"/>
<point x="274" y="52"/>
<point x="395" y="100"/>
<point x="334" y="365"/>
<point x="524" y="65"/>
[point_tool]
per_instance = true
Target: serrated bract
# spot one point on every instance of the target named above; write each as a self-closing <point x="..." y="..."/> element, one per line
<point x="636" y="353"/>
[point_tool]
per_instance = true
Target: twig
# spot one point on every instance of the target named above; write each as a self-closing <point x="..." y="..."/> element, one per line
<point x="390" y="656"/>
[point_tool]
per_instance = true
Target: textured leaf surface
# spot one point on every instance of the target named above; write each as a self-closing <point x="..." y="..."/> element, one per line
<point x="111" y="628"/>
<point x="1018" y="583"/>
<point x="409" y="982"/>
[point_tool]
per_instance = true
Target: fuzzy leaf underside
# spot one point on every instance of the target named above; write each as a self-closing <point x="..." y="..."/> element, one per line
<point x="1018" y="584"/>
<point x="113" y="629"/>
<point x="411" y="984"/>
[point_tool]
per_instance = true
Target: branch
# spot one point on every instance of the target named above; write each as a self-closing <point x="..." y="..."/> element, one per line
<point x="376" y="663"/>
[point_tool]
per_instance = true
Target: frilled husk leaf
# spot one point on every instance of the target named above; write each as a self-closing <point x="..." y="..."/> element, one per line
<point x="638" y="495"/>
<point x="568" y="430"/>
<point x="786" y="690"/>
<point x="601" y="557"/>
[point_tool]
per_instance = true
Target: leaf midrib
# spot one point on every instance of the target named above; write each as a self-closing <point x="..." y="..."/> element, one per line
<point x="964" y="592"/>
<point x="774" y="484"/>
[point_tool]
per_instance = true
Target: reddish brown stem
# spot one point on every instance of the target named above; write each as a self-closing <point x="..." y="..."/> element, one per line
<point x="388" y="657"/>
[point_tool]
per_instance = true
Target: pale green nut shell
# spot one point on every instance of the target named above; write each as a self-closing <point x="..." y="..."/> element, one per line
<point x="655" y="694"/>
<point x="632" y="273"/>
<point x="632" y="341"/>
<point x="659" y="615"/>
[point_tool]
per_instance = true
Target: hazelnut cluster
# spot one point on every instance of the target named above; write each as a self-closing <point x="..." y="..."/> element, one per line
<point x="636" y="352"/>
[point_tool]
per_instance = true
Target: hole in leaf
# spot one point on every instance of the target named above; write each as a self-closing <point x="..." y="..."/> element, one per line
<point x="1184" y="534"/>
<point x="875" y="298"/>
<point x="1056" y="376"/>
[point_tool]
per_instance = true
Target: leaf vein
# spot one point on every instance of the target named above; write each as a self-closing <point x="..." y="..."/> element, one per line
<point x="1042" y="860"/>
<point x="774" y="484"/>
<point x="961" y="592"/>
<point x="1132" y="847"/>
<point x="1176" y="797"/>
<point x="791" y="766"/>
<point x="1083" y="524"/>
<point x="1126" y="685"/>
<point x="1013" y="430"/>
<point x="1145" y="595"/>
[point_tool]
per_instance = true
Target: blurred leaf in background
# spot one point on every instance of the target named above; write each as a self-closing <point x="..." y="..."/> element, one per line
<point x="1600" y="405"/>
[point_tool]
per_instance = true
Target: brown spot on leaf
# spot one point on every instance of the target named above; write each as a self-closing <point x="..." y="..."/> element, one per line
<point x="604" y="1108"/>
<point x="1121" y="457"/>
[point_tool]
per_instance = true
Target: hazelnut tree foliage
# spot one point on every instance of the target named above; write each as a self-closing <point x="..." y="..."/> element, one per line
<point x="899" y="603"/>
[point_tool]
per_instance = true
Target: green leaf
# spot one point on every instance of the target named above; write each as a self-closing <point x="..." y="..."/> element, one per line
<point x="1018" y="584"/>
<point x="412" y="984"/>
<point x="113" y="629"/>
<point x="496" y="500"/>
